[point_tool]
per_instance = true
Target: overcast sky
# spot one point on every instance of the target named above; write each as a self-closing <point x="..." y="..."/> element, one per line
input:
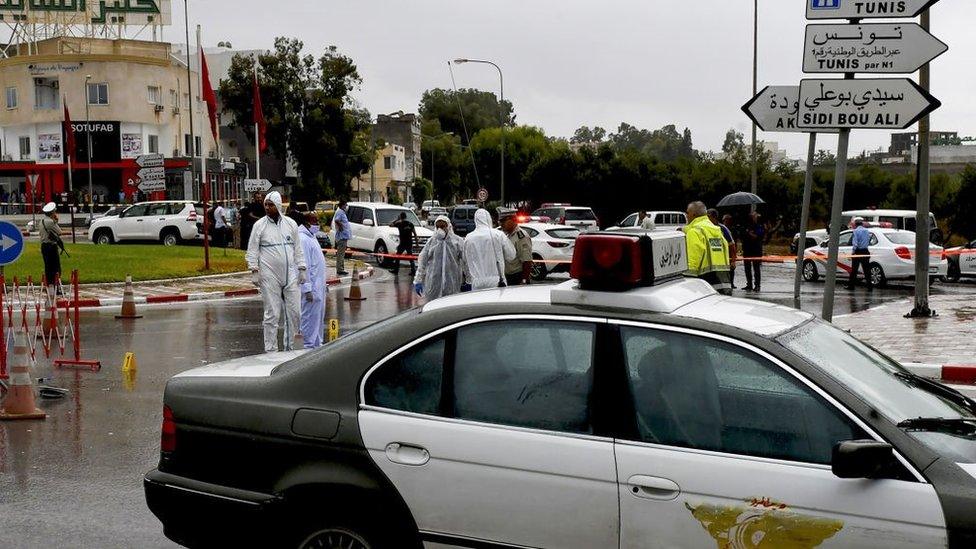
<point x="568" y="63"/>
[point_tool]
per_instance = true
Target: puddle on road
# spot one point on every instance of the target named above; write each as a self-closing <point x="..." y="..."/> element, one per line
<point x="965" y="314"/>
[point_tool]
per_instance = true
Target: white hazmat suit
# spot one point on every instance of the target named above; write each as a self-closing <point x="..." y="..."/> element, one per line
<point x="485" y="252"/>
<point x="313" y="311"/>
<point x="440" y="267"/>
<point x="277" y="263"/>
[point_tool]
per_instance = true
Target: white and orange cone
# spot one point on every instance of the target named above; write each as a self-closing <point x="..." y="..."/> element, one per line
<point x="355" y="292"/>
<point x="19" y="403"/>
<point x="128" y="301"/>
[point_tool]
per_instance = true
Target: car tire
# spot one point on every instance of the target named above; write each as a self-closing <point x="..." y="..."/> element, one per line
<point x="539" y="270"/>
<point x="810" y="273"/>
<point x="954" y="274"/>
<point x="103" y="237"/>
<point x="878" y="278"/>
<point x="335" y="536"/>
<point x="381" y="249"/>
<point x="170" y="237"/>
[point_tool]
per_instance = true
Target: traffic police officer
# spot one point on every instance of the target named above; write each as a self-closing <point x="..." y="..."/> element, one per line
<point x="51" y="243"/>
<point x="708" y="251"/>
<point x="519" y="270"/>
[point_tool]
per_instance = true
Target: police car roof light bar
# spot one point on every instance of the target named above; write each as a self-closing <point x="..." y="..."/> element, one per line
<point x="623" y="261"/>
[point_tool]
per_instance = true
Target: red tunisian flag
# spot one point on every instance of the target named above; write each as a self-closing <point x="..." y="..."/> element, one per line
<point x="69" y="133"/>
<point x="259" y="121"/>
<point x="209" y="97"/>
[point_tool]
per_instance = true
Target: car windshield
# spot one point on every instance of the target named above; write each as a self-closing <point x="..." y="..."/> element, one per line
<point x="906" y="239"/>
<point x="387" y="216"/>
<point x="580" y="215"/>
<point x="885" y="386"/>
<point x="566" y="234"/>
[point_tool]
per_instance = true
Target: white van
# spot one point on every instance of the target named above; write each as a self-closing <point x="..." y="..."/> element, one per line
<point x="371" y="230"/>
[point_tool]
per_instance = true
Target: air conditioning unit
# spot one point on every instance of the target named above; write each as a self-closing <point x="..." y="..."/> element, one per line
<point x="159" y="108"/>
<point x="176" y="110"/>
<point x="176" y="153"/>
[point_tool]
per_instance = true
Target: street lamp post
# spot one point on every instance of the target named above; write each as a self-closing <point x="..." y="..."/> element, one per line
<point x="501" y="85"/>
<point x="88" y="132"/>
<point x="755" y="78"/>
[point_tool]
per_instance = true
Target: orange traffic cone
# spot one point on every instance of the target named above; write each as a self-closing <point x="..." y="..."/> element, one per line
<point x="19" y="403"/>
<point x="355" y="293"/>
<point x="128" y="301"/>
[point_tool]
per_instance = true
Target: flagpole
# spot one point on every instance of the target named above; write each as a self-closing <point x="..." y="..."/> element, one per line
<point x="205" y="184"/>
<point x="257" y="136"/>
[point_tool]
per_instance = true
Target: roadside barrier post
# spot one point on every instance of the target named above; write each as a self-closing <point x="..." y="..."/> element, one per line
<point x="77" y="362"/>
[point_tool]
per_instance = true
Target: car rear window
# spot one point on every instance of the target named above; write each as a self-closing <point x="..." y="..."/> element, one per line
<point x="901" y="238"/>
<point x="580" y="215"/>
<point x="566" y="234"/>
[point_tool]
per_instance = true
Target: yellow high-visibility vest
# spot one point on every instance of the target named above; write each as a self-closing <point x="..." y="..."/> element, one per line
<point x="708" y="251"/>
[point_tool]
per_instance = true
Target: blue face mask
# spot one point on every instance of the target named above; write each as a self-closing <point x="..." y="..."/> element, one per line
<point x="314" y="229"/>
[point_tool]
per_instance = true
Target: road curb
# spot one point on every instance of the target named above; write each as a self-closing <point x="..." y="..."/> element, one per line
<point x="953" y="373"/>
<point x="202" y="296"/>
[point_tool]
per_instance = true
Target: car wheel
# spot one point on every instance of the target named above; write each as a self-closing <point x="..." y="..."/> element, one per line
<point x="877" y="276"/>
<point x="170" y="239"/>
<point x="954" y="274"/>
<point x="335" y="537"/>
<point x="810" y="273"/>
<point x="539" y="270"/>
<point x="103" y="237"/>
<point x="381" y="250"/>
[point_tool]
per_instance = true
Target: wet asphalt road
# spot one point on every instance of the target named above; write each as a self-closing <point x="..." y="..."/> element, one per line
<point x="75" y="480"/>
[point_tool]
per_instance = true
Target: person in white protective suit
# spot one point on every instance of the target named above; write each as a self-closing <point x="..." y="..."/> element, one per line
<point x="485" y="252"/>
<point x="315" y="288"/>
<point x="440" y="267"/>
<point x="277" y="263"/>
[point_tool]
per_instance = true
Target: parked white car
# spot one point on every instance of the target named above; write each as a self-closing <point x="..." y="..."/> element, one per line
<point x="169" y="222"/>
<point x="580" y="217"/>
<point x="551" y="243"/>
<point x="371" y="230"/>
<point x="962" y="262"/>
<point x="892" y="257"/>
<point x="891" y="219"/>
<point x="662" y="220"/>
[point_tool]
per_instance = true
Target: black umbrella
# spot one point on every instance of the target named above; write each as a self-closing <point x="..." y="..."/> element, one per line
<point x="740" y="199"/>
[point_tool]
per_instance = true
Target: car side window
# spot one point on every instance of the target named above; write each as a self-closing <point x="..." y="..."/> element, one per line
<point x="845" y="239"/>
<point x="697" y="392"/>
<point x="411" y="382"/>
<point x="873" y="241"/>
<point x="536" y="374"/>
<point x="630" y="221"/>
<point x="159" y="209"/>
<point x="136" y="211"/>
<point x="355" y="214"/>
<point x="530" y="231"/>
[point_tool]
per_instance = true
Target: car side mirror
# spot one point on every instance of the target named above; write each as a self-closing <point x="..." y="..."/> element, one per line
<point x="861" y="458"/>
<point x="368" y="222"/>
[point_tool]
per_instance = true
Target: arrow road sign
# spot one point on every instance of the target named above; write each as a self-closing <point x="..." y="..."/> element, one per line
<point x="11" y="243"/>
<point x="873" y="47"/>
<point x="877" y="103"/>
<point x="147" y="174"/>
<point x="255" y="185"/>
<point x="152" y="185"/>
<point x="866" y="9"/>
<point x="774" y="109"/>
<point x="150" y="161"/>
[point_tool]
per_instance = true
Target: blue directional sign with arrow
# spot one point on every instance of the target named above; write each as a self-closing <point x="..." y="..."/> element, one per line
<point x="11" y="243"/>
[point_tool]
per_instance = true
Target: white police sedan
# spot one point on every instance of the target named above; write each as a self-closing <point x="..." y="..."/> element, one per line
<point x="892" y="257"/>
<point x="625" y="408"/>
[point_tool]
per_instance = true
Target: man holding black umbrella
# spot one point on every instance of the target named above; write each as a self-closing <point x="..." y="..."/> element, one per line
<point x="753" y="235"/>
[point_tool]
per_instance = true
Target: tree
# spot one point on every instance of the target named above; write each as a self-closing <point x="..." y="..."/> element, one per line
<point x="445" y="164"/>
<point x="524" y="145"/>
<point x="824" y="158"/>
<point x="585" y="134"/>
<point x="734" y="147"/>
<point x="423" y="190"/>
<point x="481" y="110"/>
<point x="309" y="113"/>
<point x="961" y="220"/>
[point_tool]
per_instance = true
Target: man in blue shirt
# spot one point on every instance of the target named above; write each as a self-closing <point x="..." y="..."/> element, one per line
<point x="343" y="232"/>
<point x="861" y="241"/>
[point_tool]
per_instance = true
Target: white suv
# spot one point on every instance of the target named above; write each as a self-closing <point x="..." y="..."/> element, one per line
<point x="371" y="230"/>
<point x="169" y="222"/>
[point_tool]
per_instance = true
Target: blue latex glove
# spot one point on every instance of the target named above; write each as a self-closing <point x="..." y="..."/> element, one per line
<point x="465" y="288"/>
<point x="419" y="288"/>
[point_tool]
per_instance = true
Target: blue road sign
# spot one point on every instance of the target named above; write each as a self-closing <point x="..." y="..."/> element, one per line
<point x="11" y="243"/>
<point x="825" y="4"/>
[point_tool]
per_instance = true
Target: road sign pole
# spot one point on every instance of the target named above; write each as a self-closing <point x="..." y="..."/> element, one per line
<point x="804" y="219"/>
<point x="71" y="189"/>
<point x="923" y="205"/>
<point x="840" y="181"/>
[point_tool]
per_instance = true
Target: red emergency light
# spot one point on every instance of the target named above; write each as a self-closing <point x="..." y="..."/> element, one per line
<point x="616" y="262"/>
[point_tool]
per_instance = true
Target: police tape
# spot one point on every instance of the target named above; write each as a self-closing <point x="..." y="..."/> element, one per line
<point x="760" y="259"/>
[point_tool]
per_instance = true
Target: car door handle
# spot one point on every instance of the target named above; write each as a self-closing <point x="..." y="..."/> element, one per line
<point x="653" y="487"/>
<point x="140" y="220"/>
<point x="406" y="454"/>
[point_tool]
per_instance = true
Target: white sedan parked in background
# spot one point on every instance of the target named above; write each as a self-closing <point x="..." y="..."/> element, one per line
<point x="892" y="257"/>
<point x="551" y="243"/>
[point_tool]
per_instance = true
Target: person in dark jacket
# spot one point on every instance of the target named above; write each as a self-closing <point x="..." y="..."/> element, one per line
<point x="753" y="235"/>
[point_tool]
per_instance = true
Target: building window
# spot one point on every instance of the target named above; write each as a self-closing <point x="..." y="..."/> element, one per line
<point x="199" y="149"/>
<point x="174" y="98"/>
<point x="98" y="94"/>
<point x="25" y="148"/>
<point x="46" y="94"/>
<point x="187" y="148"/>
<point x="155" y="95"/>
<point x="11" y="98"/>
<point x="153" y="144"/>
<point x="387" y="162"/>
